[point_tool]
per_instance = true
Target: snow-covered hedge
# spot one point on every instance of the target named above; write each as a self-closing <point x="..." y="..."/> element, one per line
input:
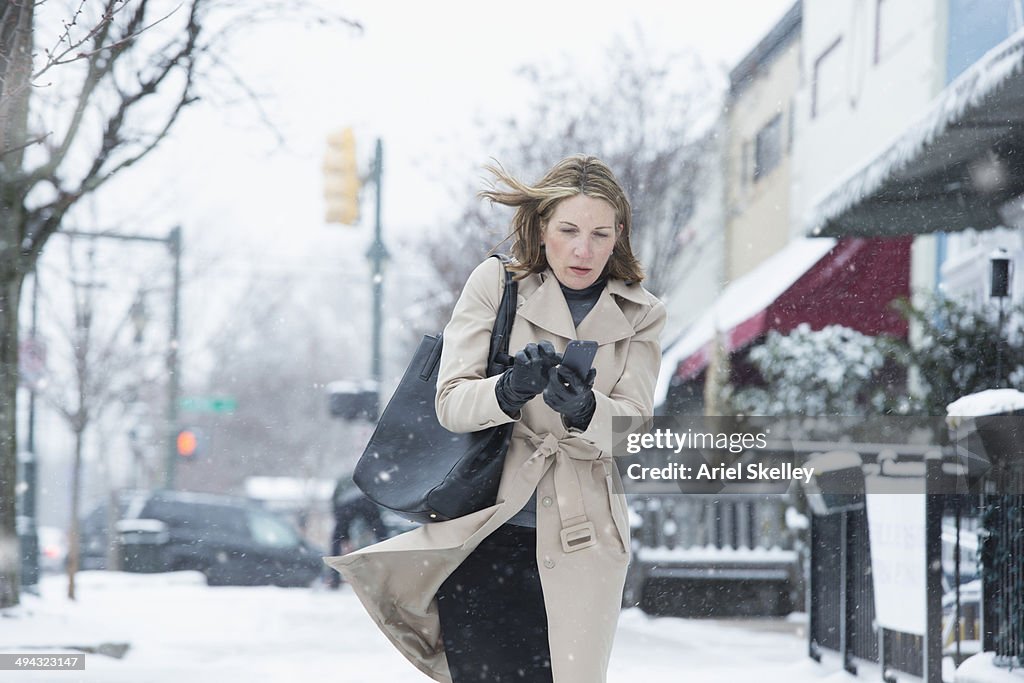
<point x="832" y="371"/>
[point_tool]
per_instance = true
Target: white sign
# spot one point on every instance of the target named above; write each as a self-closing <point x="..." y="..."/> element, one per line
<point x="896" y="528"/>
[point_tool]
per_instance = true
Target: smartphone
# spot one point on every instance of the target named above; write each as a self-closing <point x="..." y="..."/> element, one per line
<point x="579" y="355"/>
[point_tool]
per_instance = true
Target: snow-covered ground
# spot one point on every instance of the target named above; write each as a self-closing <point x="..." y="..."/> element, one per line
<point x="178" y="629"/>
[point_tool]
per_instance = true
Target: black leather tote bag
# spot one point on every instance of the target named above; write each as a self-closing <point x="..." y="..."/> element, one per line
<point x="417" y="468"/>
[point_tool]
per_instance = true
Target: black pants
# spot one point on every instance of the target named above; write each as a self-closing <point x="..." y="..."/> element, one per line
<point x="492" y="612"/>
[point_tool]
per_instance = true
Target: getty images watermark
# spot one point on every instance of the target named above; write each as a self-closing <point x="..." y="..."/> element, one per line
<point x="840" y="456"/>
<point x="669" y="442"/>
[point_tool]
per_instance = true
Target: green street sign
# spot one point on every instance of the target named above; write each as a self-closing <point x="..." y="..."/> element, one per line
<point x="208" y="404"/>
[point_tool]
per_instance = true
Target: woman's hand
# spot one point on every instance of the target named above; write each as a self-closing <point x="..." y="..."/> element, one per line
<point x="527" y="376"/>
<point x="571" y="395"/>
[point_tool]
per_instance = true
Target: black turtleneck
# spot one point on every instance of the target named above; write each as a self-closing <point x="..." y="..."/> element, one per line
<point x="582" y="301"/>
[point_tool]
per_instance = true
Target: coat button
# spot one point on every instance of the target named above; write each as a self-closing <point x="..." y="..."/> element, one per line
<point x="546" y="501"/>
<point x="548" y="562"/>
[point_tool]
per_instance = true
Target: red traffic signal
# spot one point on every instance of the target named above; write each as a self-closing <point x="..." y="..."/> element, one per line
<point x="187" y="443"/>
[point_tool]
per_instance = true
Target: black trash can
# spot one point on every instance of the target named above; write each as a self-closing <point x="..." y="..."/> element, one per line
<point x="143" y="542"/>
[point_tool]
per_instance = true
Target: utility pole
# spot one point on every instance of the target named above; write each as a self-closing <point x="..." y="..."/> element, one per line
<point x="173" y="365"/>
<point x="377" y="255"/>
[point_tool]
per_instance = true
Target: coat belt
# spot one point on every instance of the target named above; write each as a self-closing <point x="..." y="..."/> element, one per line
<point x="577" y="530"/>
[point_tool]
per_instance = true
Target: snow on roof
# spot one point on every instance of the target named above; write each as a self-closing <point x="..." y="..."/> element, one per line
<point x="288" y="488"/>
<point x="741" y="299"/>
<point x="989" y="402"/>
<point x="347" y="386"/>
<point x="964" y="93"/>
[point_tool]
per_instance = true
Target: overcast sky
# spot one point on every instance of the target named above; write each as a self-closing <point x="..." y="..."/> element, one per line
<point x="417" y="77"/>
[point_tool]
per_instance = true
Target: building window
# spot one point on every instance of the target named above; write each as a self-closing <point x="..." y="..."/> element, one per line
<point x="768" y="147"/>
<point x="826" y="88"/>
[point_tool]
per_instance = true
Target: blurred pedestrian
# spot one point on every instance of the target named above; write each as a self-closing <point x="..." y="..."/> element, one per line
<point x="357" y="522"/>
<point x="522" y="591"/>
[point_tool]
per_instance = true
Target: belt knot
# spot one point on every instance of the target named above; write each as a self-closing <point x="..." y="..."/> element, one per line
<point x="547" y="446"/>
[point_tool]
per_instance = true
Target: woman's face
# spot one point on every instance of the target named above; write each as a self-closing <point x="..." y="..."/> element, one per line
<point x="578" y="240"/>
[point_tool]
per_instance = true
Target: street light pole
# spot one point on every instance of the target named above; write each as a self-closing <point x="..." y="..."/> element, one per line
<point x="999" y="288"/>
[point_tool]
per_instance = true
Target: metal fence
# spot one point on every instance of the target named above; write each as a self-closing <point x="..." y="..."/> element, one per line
<point x="841" y="589"/>
<point x="973" y="488"/>
<point x="826" y="615"/>
<point x="1003" y="579"/>
<point x="841" y="594"/>
<point x="1001" y="439"/>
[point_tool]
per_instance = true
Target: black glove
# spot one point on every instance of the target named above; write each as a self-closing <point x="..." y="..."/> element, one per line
<point x="527" y="376"/>
<point x="571" y="395"/>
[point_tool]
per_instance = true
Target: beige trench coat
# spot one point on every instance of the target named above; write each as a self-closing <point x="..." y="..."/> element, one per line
<point x="582" y="528"/>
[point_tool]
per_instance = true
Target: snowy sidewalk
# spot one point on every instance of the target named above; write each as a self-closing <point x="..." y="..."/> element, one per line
<point x="178" y="629"/>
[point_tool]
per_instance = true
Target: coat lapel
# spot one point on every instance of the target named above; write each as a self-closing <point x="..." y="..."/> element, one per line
<point x="605" y="323"/>
<point x="545" y="307"/>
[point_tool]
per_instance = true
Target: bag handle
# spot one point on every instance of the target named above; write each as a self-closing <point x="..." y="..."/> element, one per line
<point x="498" y="358"/>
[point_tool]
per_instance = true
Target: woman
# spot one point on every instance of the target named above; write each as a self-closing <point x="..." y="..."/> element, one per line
<point x="530" y="588"/>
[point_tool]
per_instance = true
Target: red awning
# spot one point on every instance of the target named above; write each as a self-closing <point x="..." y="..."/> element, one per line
<point x="821" y="282"/>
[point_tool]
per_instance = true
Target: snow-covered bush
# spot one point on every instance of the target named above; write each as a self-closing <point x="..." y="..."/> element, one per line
<point x="957" y="353"/>
<point x="832" y="371"/>
<point x="839" y="371"/>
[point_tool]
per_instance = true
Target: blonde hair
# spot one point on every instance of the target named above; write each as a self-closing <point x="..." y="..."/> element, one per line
<point x="572" y="176"/>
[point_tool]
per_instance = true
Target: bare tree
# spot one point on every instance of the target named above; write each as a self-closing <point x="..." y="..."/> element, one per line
<point x="128" y="69"/>
<point x="106" y="367"/>
<point x="649" y="118"/>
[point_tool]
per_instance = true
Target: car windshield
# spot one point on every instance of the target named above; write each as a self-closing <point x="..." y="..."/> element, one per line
<point x="270" y="531"/>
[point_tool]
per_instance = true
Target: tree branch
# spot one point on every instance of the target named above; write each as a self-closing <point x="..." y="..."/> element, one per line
<point x="112" y="141"/>
<point x="97" y="69"/>
<point x="96" y="33"/>
<point x="253" y="97"/>
<point x="28" y="143"/>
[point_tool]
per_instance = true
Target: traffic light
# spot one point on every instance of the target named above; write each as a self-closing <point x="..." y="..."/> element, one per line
<point x="187" y="444"/>
<point x="341" y="178"/>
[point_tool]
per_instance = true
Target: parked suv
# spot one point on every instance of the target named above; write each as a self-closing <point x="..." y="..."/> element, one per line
<point x="232" y="541"/>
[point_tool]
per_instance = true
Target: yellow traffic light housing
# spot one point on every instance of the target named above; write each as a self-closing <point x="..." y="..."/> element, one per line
<point x="341" y="178"/>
